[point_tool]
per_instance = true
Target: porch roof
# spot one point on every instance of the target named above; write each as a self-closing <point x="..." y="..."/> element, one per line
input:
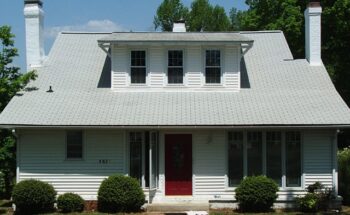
<point x="276" y="90"/>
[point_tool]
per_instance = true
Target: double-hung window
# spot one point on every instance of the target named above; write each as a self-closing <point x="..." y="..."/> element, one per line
<point x="272" y="153"/>
<point x="175" y="67"/>
<point x="74" y="144"/>
<point x="212" y="67"/>
<point x="138" y="67"/>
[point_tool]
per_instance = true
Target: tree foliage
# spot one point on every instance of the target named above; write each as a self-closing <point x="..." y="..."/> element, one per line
<point x="11" y="81"/>
<point x="202" y="16"/>
<point x="169" y="12"/>
<point x="199" y="18"/>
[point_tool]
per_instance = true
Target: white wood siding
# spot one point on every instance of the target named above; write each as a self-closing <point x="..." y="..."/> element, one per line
<point x="120" y="68"/>
<point x="42" y="156"/>
<point x="232" y="68"/>
<point x="318" y="157"/>
<point x="156" y="67"/>
<point x="194" y="69"/>
<point x="209" y="163"/>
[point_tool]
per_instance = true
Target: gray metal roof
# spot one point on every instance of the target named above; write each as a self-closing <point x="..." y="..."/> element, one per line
<point x="277" y="91"/>
<point x="195" y="37"/>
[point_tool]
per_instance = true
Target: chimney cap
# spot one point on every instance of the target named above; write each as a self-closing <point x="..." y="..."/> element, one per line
<point x="314" y="3"/>
<point x="181" y="20"/>
<point x="39" y="2"/>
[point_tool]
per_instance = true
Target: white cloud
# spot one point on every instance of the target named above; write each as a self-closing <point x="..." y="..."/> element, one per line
<point x="91" y="26"/>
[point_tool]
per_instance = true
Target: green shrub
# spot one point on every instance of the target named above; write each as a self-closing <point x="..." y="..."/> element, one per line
<point x="318" y="198"/>
<point x="120" y="193"/>
<point x="315" y="187"/>
<point x="33" y="196"/>
<point x="256" y="193"/>
<point x="70" y="202"/>
<point x="308" y="203"/>
<point x="344" y="174"/>
<point x="2" y="185"/>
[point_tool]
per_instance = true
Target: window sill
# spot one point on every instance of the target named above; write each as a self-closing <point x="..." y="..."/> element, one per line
<point x="213" y="85"/>
<point x="74" y="159"/>
<point x="138" y="85"/>
<point x="175" y="85"/>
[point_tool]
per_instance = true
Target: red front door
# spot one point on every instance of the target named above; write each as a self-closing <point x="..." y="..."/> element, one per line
<point x="178" y="164"/>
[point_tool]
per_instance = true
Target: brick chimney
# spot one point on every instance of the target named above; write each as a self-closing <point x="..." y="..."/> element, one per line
<point x="313" y="33"/>
<point x="34" y="24"/>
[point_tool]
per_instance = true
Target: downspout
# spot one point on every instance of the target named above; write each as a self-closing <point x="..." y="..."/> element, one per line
<point x="16" y="135"/>
<point x="335" y="162"/>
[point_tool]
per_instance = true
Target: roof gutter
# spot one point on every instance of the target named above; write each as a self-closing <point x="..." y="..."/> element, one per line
<point x="311" y="126"/>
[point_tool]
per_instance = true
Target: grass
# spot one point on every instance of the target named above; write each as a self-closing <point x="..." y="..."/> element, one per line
<point x="5" y="208"/>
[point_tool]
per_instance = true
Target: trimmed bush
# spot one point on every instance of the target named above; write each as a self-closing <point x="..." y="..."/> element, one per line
<point x="256" y="194"/>
<point x="344" y="174"/>
<point x="309" y="203"/>
<point x="2" y="185"/>
<point x="34" y="196"/>
<point x="120" y="193"/>
<point x="70" y="202"/>
<point x="318" y="198"/>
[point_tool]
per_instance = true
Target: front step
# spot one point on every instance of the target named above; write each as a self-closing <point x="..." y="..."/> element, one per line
<point x="179" y="208"/>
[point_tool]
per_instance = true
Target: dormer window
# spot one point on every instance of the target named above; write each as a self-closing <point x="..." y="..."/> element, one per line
<point x="175" y="67"/>
<point x="138" y="67"/>
<point x="212" y="67"/>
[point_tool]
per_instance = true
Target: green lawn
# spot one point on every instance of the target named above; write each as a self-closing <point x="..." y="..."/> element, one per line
<point x="5" y="207"/>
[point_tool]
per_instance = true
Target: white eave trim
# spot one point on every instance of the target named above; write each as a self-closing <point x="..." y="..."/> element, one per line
<point x="330" y="126"/>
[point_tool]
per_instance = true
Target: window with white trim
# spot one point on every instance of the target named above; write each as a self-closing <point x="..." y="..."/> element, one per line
<point x="175" y="67"/>
<point x="212" y="67"/>
<point x="254" y="153"/>
<point x="274" y="156"/>
<point x="272" y="153"/>
<point x="293" y="159"/>
<point x="143" y="145"/>
<point x="138" y="67"/>
<point x="74" y="144"/>
<point x="235" y="163"/>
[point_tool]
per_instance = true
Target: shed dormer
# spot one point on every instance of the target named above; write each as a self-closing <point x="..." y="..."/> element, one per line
<point x="175" y="60"/>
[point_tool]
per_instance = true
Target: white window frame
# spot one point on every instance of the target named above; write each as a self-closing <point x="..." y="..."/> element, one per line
<point x="146" y="67"/>
<point x="283" y="186"/>
<point x="183" y="67"/>
<point x="205" y="65"/>
<point x="143" y="158"/>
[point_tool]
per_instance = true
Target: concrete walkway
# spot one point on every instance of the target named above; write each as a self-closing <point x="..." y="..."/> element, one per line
<point x="179" y="208"/>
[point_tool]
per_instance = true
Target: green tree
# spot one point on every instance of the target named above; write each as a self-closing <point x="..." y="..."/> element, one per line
<point x="11" y="81"/>
<point x="336" y="43"/>
<point x="235" y="19"/>
<point x="200" y="15"/>
<point x="169" y="12"/>
<point x="219" y="21"/>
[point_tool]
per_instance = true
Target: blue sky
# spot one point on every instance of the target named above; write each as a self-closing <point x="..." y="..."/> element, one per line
<point x="88" y="15"/>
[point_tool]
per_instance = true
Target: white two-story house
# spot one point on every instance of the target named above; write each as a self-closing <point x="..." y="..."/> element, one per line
<point x="189" y="114"/>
